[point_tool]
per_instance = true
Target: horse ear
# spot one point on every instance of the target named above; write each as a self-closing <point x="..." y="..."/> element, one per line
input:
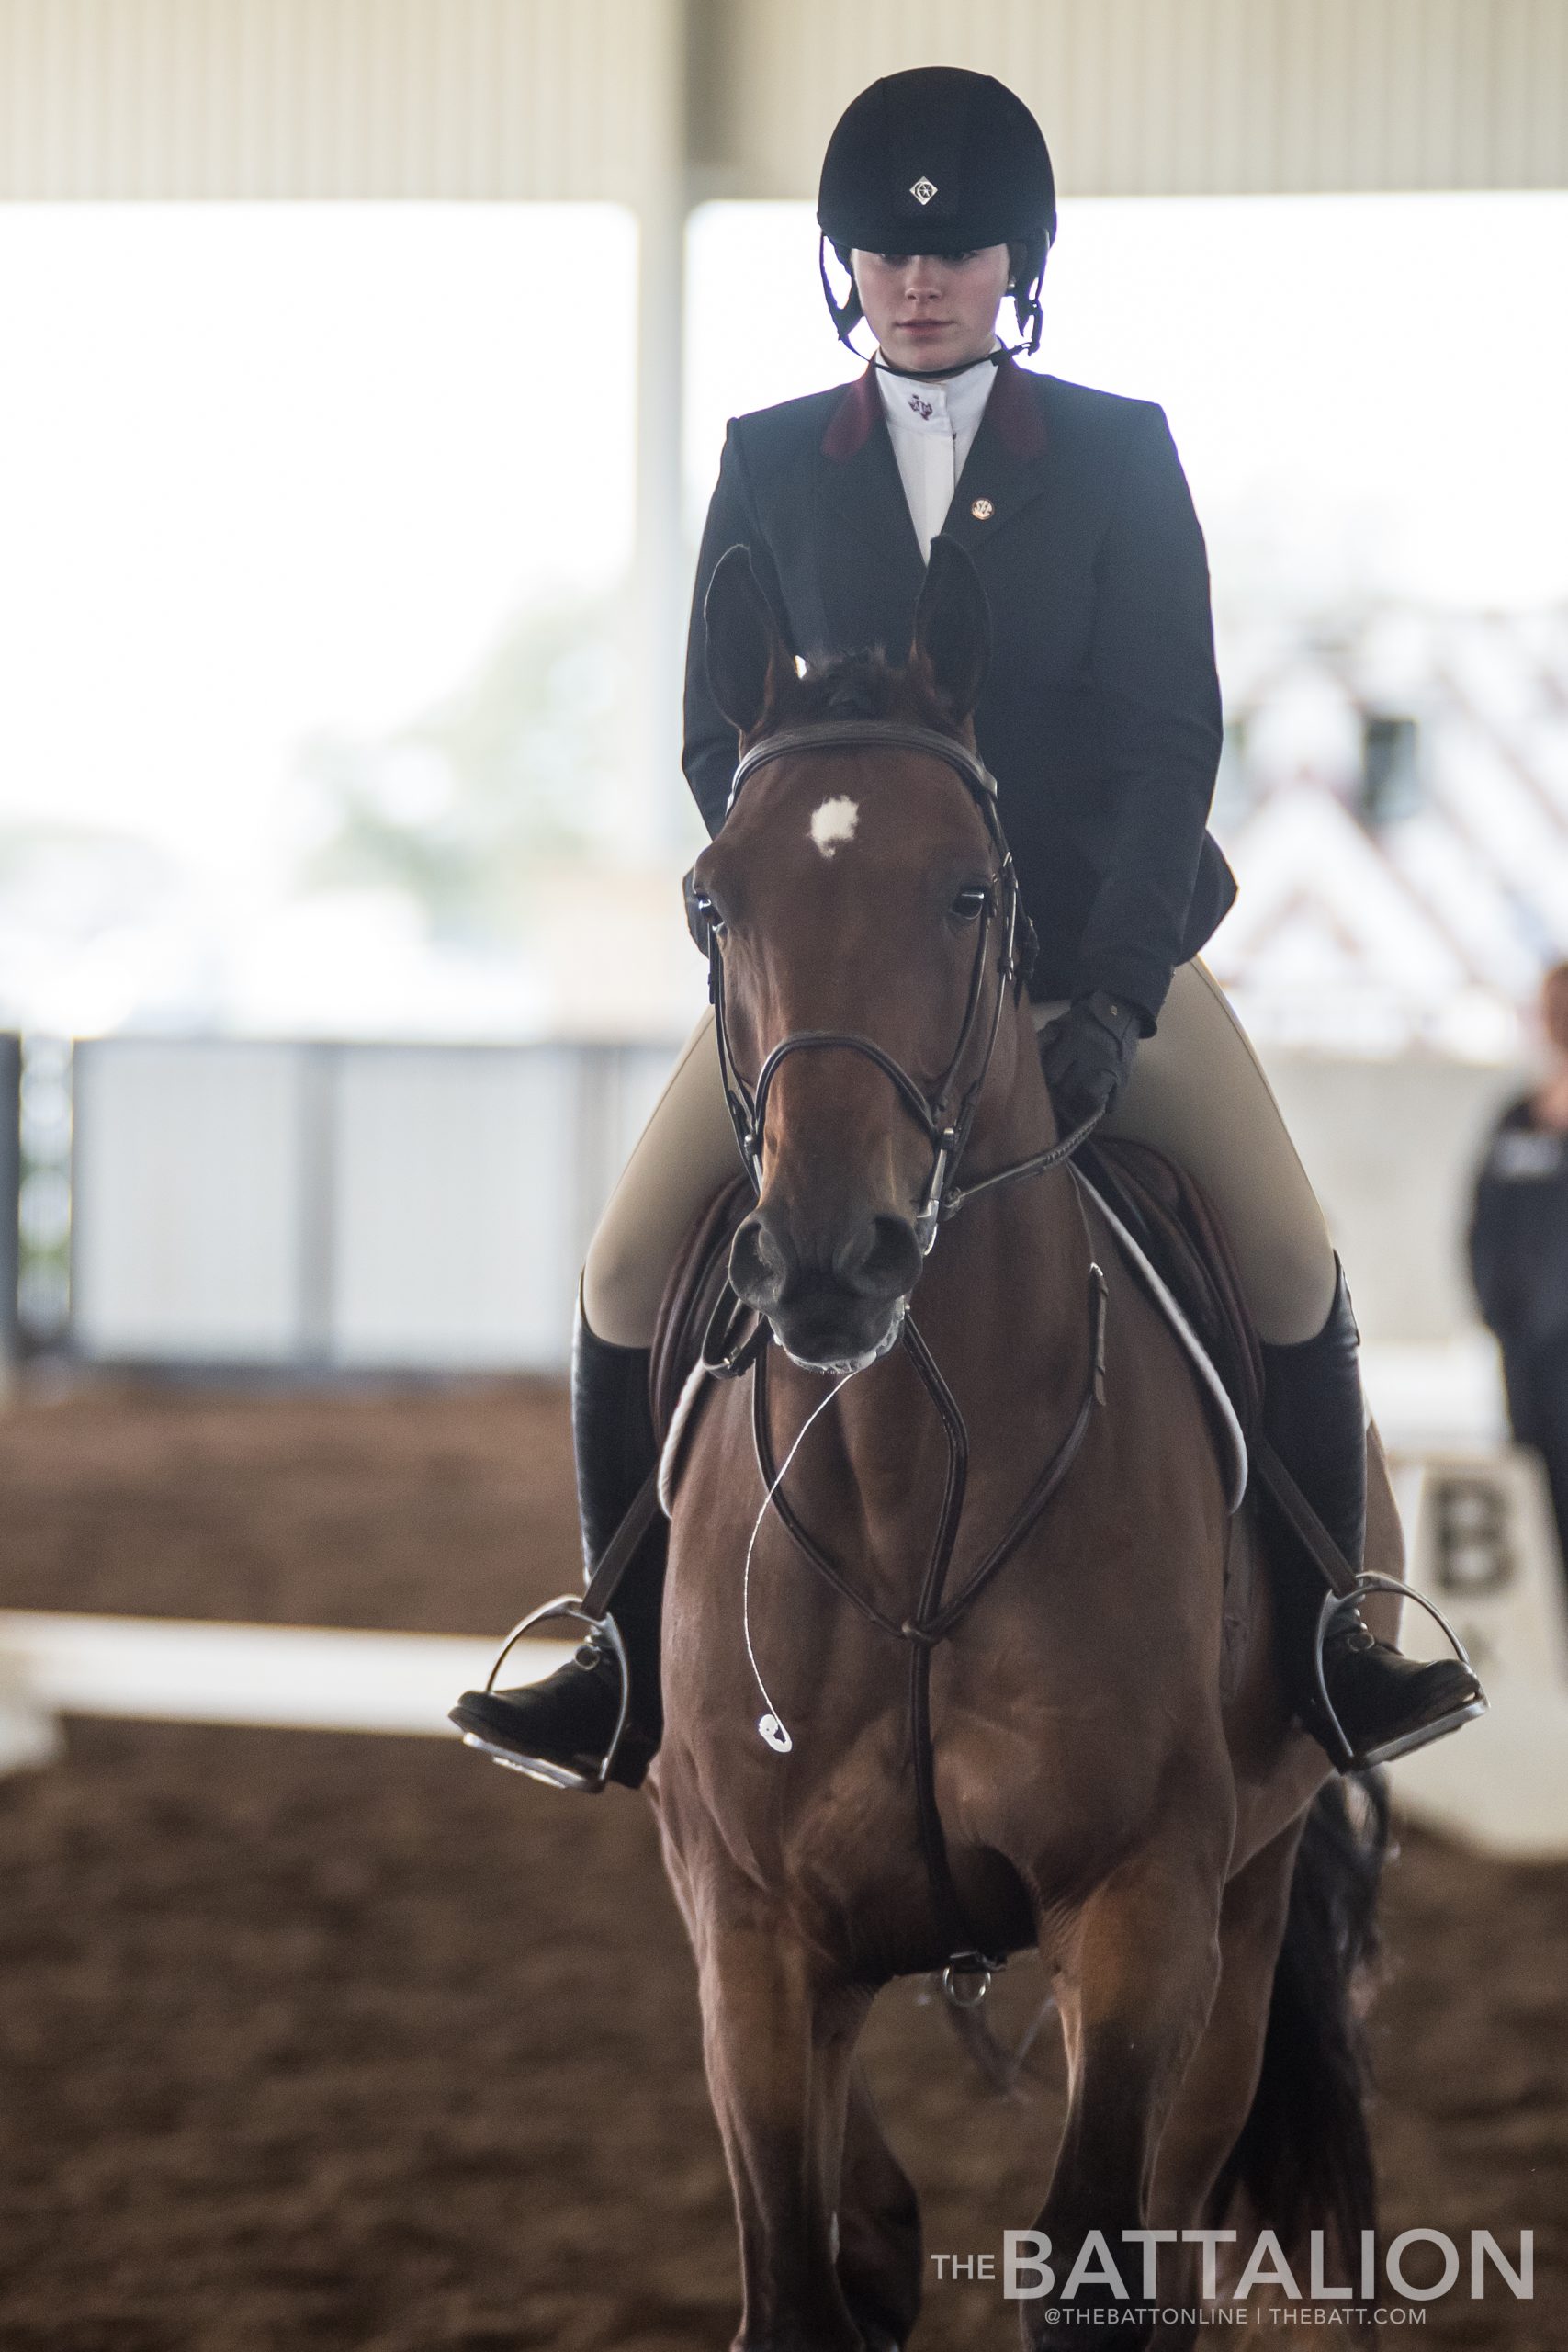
<point x="747" y="656"/>
<point x="952" y="628"/>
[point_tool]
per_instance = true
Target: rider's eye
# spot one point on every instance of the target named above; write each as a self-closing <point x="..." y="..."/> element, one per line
<point x="971" y="903"/>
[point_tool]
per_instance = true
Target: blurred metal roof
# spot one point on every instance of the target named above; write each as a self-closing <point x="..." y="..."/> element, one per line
<point x="629" y="99"/>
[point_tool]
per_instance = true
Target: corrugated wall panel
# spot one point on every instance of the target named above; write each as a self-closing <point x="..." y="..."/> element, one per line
<point x="583" y="98"/>
<point x="344" y="1205"/>
<point x="336" y="98"/>
<point x="564" y="98"/>
<point x="186" y="1240"/>
<point x="454" y="1210"/>
<point x="1172" y="96"/>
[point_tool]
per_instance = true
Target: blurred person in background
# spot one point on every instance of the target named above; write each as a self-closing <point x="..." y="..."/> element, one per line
<point x="1101" y="721"/>
<point x="1518" y="1251"/>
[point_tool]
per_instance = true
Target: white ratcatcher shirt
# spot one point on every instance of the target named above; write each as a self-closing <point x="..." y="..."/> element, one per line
<point x="933" y="428"/>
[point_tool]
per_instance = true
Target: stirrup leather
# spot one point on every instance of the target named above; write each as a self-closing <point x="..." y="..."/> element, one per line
<point x="1341" y="1754"/>
<point x="568" y="1605"/>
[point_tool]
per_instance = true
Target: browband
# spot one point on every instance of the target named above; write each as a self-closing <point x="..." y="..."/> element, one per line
<point x="867" y="734"/>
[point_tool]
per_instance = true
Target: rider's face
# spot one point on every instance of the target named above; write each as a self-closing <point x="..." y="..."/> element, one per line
<point x="930" y="311"/>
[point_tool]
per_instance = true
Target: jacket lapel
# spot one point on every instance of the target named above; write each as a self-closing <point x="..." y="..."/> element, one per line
<point x="867" y="567"/>
<point x="1007" y="464"/>
<point x="860" y="479"/>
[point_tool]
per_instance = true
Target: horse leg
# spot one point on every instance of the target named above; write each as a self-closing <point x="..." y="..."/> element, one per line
<point x="880" y="2258"/>
<point x="778" y="2045"/>
<point x="1135" y="1994"/>
<point x="1216" y="2093"/>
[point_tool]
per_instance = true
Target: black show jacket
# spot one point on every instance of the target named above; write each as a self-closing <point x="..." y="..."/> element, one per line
<point x="1100" y="718"/>
<point x="1518" y="1233"/>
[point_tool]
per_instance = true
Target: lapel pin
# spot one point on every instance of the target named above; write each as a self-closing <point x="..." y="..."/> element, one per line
<point x="982" y="510"/>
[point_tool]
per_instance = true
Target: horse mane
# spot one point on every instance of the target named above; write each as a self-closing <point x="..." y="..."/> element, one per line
<point x="862" y="685"/>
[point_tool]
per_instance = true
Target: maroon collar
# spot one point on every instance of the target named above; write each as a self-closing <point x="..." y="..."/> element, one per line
<point x="1013" y="414"/>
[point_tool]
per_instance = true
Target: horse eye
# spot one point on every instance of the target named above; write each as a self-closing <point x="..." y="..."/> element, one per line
<point x="971" y="903"/>
<point x="702" y="919"/>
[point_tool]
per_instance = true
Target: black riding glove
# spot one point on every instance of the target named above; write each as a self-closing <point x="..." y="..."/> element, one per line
<point x="1087" y="1056"/>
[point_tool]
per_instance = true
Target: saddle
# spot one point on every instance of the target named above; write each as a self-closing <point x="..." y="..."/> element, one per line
<point x="1151" y="1204"/>
<point x="696" y="1290"/>
<point x="1168" y="1215"/>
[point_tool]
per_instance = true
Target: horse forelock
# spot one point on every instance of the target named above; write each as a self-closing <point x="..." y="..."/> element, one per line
<point x="862" y="685"/>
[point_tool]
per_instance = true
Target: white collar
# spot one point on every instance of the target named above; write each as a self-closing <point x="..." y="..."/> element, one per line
<point x="953" y="404"/>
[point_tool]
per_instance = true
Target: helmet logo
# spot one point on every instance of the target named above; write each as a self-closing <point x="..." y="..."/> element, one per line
<point x="923" y="190"/>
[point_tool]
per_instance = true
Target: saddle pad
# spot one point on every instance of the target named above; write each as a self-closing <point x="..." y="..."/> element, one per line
<point x="1171" y="1221"/>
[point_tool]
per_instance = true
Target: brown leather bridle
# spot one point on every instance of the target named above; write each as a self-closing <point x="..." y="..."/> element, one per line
<point x="945" y="1115"/>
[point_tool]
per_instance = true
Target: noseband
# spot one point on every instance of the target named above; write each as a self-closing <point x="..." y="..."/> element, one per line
<point x="946" y="1115"/>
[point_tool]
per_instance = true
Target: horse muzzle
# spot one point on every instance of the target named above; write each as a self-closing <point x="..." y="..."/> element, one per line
<point x="836" y="1302"/>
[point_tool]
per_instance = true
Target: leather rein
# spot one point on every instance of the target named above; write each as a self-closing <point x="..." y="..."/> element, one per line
<point x="945" y="1116"/>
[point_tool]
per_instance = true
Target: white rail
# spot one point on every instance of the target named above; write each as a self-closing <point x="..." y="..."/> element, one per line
<point x="290" y="1677"/>
<point x="1478" y="1528"/>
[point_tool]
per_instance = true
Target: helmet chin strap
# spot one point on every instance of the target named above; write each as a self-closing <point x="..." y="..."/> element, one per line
<point x="847" y="316"/>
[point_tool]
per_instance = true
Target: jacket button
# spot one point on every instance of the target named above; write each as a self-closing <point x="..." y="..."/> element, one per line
<point x="982" y="510"/>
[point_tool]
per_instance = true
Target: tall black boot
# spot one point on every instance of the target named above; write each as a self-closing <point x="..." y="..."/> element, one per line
<point x="1316" y="1420"/>
<point x="560" y="1728"/>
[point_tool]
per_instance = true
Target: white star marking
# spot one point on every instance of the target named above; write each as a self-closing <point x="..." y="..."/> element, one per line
<point x="833" y="823"/>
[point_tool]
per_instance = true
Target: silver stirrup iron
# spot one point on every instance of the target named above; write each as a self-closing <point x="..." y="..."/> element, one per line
<point x="566" y="1605"/>
<point x="1332" y="1604"/>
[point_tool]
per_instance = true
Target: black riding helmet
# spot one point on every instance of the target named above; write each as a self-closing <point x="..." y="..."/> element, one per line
<point x="938" y="160"/>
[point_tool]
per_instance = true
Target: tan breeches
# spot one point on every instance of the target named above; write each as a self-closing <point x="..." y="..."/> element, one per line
<point x="1197" y="1091"/>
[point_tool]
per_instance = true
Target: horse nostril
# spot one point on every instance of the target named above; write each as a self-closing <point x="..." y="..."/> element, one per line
<point x="881" y="1261"/>
<point x="757" y="1264"/>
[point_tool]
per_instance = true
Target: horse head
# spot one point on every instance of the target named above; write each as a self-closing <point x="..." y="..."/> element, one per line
<point x="861" y="920"/>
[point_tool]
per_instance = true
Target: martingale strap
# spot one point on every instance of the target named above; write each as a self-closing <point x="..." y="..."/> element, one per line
<point x="933" y="1620"/>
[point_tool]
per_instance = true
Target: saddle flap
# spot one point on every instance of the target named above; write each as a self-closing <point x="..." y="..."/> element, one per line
<point x="696" y="1282"/>
<point x="1170" y="1219"/>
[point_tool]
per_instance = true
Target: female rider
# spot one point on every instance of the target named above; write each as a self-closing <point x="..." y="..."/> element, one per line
<point x="1101" y="721"/>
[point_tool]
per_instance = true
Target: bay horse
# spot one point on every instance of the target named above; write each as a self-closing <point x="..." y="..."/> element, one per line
<point x="1115" y="1776"/>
